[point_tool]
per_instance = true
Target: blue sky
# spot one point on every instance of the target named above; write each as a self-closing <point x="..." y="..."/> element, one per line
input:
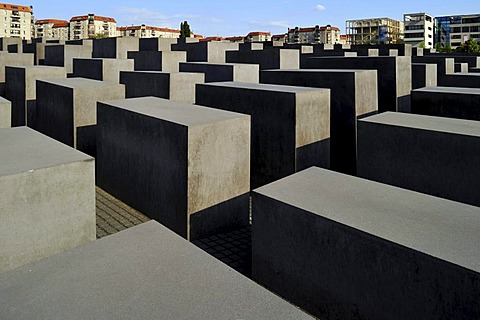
<point x="231" y="18"/>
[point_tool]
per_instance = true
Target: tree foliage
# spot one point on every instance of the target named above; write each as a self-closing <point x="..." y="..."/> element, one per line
<point x="184" y="30"/>
<point x="440" y="49"/>
<point x="469" y="46"/>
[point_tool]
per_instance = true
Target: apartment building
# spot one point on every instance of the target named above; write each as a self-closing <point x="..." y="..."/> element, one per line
<point x="419" y="29"/>
<point x="374" y="31"/>
<point x="279" y="37"/>
<point x="89" y="26"/>
<point x="52" y="28"/>
<point x="317" y="34"/>
<point x="17" y="21"/>
<point x="455" y="30"/>
<point x="144" y="31"/>
<point x="258" y="36"/>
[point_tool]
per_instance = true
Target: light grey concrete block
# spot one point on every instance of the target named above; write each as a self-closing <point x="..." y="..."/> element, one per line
<point x="101" y="69"/>
<point x="145" y="272"/>
<point x="445" y="66"/>
<point x="290" y="125"/>
<point x="20" y="89"/>
<point x="5" y="113"/>
<point x="178" y="87"/>
<point x="157" y="44"/>
<point x="219" y="72"/>
<point x="14" y="59"/>
<point x="114" y="48"/>
<point x="185" y="166"/>
<point x="5" y="42"/>
<point x="63" y="55"/>
<point x="47" y="197"/>
<point x="424" y="75"/>
<point x="205" y="51"/>
<point x="157" y="61"/>
<point x="269" y="58"/>
<point x="342" y="247"/>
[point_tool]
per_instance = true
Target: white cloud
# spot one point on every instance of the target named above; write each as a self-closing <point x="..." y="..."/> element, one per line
<point x="319" y="7"/>
<point x="283" y="24"/>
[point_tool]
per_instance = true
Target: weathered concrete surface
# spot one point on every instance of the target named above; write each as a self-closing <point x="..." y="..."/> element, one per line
<point x="20" y="89"/>
<point x="114" y="48"/>
<point x="65" y="105"/>
<point x="219" y="72"/>
<point x="137" y="274"/>
<point x="346" y="248"/>
<point x="152" y="150"/>
<point x="14" y="59"/>
<point x="178" y="87"/>
<point x="353" y="95"/>
<point x="47" y="197"/>
<point x="461" y="67"/>
<point x="101" y="69"/>
<point x="157" y="61"/>
<point x="157" y="44"/>
<point x="450" y="102"/>
<point x="445" y="66"/>
<point x="63" y="55"/>
<point x="424" y="75"/>
<point x="205" y="51"/>
<point x="394" y="76"/>
<point x="290" y="125"/>
<point x="5" y="42"/>
<point x="269" y="58"/>
<point x="5" y="113"/>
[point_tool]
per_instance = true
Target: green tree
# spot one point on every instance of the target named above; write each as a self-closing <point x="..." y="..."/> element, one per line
<point x="184" y="30"/>
<point x="469" y="46"/>
<point x="440" y="49"/>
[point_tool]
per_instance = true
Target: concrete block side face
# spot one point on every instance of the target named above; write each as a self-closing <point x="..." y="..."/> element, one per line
<point x="5" y="113"/>
<point x="111" y="69"/>
<point x="45" y="212"/>
<point x="34" y="74"/>
<point x="216" y="51"/>
<point x="170" y="60"/>
<point x="15" y="88"/>
<point x="218" y="162"/>
<point x="182" y="86"/>
<point x="289" y="59"/>
<point x="436" y="163"/>
<point x="14" y="59"/>
<point x="371" y="279"/>
<point x="55" y="56"/>
<point x="145" y="84"/>
<point x="312" y="118"/>
<point x="403" y="82"/>
<point x="105" y="48"/>
<point x="123" y="45"/>
<point x="366" y="93"/>
<point x="246" y="73"/>
<point x="213" y="72"/>
<point x="143" y="162"/>
<point x="88" y="68"/>
<point x="72" y="52"/>
<point x="450" y="105"/>
<point x="55" y="112"/>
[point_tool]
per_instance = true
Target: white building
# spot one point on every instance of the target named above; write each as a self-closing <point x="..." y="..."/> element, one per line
<point x="419" y="29"/>
<point x="258" y="36"/>
<point x="51" y="28"/>
<point x="90" y="26"/>
<point x="317" y="34"/>
<point x="143" y="31"/>
<point x="17" y="21"/>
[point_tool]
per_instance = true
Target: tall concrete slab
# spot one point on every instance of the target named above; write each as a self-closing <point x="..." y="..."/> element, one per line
<point x="66" y="109"/>
<point x="145" y="272"/>
<point x="114" y="48"/>
<point x="185" y="166"/>
<point x="353" y="95"/>
<point x="20" y="89"/>
<point x="6" y="41"/>
<point x="432" y="155"/>
<point x="220" y="72"/>
<point x="63" y="55"/>
<point x="290" y="125"/>
<point x="156" y="44"/>
<point x="424" y="75"/>
<point x="178" y="87"/>
<point x="101" y="69"/>
<point x="450" y="102"/>
<point x="157" y="61"/>
<point x="47" y="197"/>
<point x="394" y="76"/>
<point x="269" y="58"/>
<point x="5" y="113"/>
<point x="205" y="51"/>
<point x="341" y="247"/>
<point x="14" y="59"/>
<point x="445" y="66"/>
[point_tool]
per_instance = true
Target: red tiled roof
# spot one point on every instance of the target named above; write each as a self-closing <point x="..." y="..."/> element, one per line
<point x="258" y="33"/>
<point x="148" y="28"/>
<point x="14" y="7"/>
<point x="198" y="36"/>
<point x="212" y="39"/>
<point x="234" y="38"/>
<point x="47" y="21"/>
<point x="97" y="18"/>
<point x="311" y="29"/>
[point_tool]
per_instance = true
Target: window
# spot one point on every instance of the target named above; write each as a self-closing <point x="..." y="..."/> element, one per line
<point x="456" y="30"/>
<point x="466" y="29"/>
<point x="457" y="36"/>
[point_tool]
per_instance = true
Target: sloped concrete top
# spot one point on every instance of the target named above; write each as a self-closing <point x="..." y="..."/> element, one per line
<point x="176" y="112"/>
<point x="455" y="90"/>
<point x="79" y="83"/>
<point x="440" y="228"/>
<point x="23" y="149"/>
<point x="415" y="121"/>
<point x="145" y="272"/>
<point x="263" y="87"/>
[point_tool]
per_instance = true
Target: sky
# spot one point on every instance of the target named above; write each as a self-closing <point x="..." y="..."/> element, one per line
<point x="238" y="18"/>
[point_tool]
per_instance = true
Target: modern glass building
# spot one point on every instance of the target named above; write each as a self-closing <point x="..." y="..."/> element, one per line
<point x="455" y="30"/>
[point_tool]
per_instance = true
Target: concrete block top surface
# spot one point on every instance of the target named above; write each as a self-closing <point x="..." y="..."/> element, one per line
<point x="145" y="272"/>
<point x="40" y="68"/>
<point x="454" y="90"/>
<point x="422" y="122"/>
<point x="3" y="100"/>
<point x="23" y="149"/>
<point x="220" y="64"/>
<point x="440" y="228"/>
<point x="320" y="70"/>
<point x="262" y="87"/>
<point x="176" y="112"/>
<point x="79" y="83"/>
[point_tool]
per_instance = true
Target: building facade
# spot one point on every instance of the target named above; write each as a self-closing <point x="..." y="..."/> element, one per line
<point x="90" y="26"/>
<point x="17" y="21"/>
<point x="144" y="31"/>
<point x="455" y="30"/>
<point x="374" y="31"/>
<point x="51" y="28"/>
<point x="326" y="34"/>
<point x="419" y="29"/>
<point x="258" y="36"/>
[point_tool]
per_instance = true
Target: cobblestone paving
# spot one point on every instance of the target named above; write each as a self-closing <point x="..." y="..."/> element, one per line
<point x="233" y="248"/>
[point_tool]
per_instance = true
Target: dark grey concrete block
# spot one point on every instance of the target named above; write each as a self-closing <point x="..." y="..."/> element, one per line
<point x="179" y="87"/>
<point x="461" y="67"/>
<point x="464" y="80"/>
<point x="269" y="58"/>
<point x="114" y="48"/>
<point x="450" y="102"/>
<point x="13" y="59"/>
<point x="353" y="95"/>
<point x="101" y="69"/>
<point x="436" y="156"/>
<point x="205" y="51"/>
<point x="172" y="161"/>
<point x="424" y="75"/>
<point x="5" y="42"/>
<point x="445" y="66"/>
<point x="157" y="61"/>
<point x="63" y="55"/>
<point x="290" y="125"/>
<point x="219" y="72"/>
<point x="145" y="272"/>
<point x="342" y="247"/>
<point x="394" y="76"/>
<point x="156" y="44"/>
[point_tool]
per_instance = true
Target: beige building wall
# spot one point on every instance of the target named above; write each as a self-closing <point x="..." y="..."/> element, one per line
<point x="88" y="26"/>
<point x="144" y="31"/>
<point x="325" y="34"/>
<point x="16" y="21"/>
